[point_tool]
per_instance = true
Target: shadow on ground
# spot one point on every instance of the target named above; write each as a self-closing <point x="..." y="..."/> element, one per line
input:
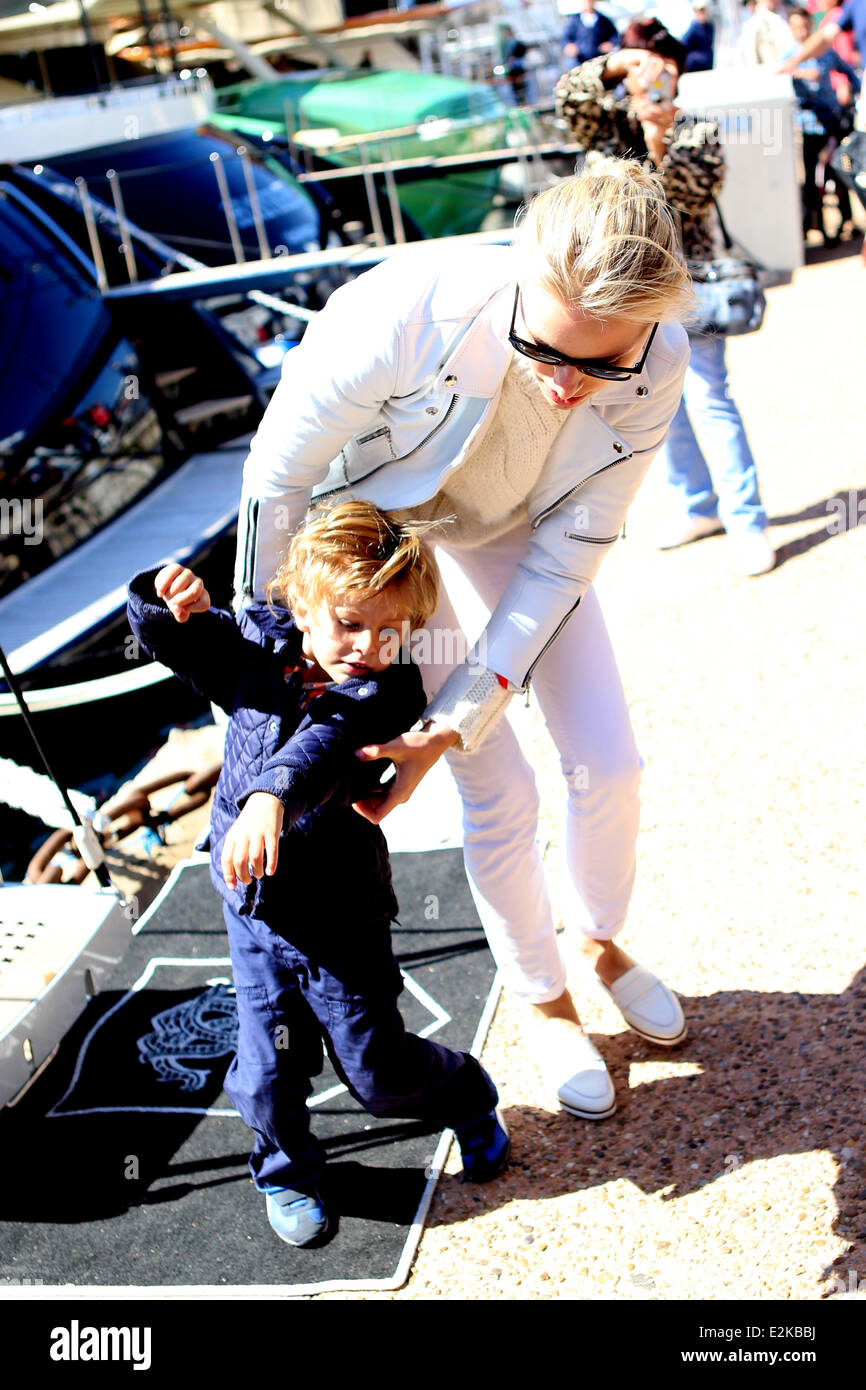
<point x="779" y="1074"/>
<point x="839" y="513"/>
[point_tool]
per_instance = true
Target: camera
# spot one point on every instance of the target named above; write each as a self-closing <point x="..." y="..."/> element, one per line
<point x="661" y="90"/>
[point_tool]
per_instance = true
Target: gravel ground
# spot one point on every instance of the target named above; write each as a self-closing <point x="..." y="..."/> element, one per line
<point x="734" y="1166"/>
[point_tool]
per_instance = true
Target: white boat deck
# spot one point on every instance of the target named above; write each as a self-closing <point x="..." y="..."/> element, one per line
<point x="88" y="586"/>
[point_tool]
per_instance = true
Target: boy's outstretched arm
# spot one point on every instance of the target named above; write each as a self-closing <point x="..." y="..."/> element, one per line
<point x="207" y="653"/>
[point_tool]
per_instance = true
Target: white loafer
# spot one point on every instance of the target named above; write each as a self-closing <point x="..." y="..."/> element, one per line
<point x="575" y="1070"/>
<point x="648" y="1006"/>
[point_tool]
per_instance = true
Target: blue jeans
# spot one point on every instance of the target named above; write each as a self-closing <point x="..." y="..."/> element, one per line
<point x="731" y="492"/>
<point x="338" y="980"/>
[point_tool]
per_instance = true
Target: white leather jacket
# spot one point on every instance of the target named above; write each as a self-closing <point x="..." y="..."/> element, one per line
<point x="385" y="396"/>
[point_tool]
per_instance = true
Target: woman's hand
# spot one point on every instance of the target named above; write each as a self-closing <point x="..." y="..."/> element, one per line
<point x="181" y="591"/>
<point x="644" y="75"/>
<point x="635" y="66"/>
<point x="251" y="847"/>
<point x="413" y="755"/>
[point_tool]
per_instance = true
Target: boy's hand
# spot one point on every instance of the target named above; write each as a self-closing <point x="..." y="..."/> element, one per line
<point x="251" y="846"/>
<point x="181" y="591"/>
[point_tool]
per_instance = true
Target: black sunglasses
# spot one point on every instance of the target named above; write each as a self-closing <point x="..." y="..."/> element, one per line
<point x="559" y="359"/>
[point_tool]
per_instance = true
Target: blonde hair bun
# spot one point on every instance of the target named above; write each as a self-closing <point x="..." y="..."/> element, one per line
<point x="605" y="241"/>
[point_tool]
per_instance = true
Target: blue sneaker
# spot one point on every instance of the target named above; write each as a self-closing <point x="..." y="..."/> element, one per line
<point x="297" y="1214"/>
<point x="484" y="1147"/>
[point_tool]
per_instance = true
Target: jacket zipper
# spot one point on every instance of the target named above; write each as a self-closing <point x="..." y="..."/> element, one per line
<point x="594" y="540"/>
<point x="435" y="430"/>
<point x="376" y="434"/>
<point x="250" y="549"/>
<point x="552" y="638"/>
<point x="571" y="491"/>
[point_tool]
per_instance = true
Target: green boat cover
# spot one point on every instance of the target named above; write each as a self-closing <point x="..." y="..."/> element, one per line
<point x="367" y="102"/>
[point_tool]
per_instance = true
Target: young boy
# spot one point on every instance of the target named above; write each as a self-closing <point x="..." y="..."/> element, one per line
<point x="305" y="880"/>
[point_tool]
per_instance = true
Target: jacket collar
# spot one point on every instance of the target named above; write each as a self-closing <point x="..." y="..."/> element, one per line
<point x="477" y="363"/>
<point x="277" y="624"/>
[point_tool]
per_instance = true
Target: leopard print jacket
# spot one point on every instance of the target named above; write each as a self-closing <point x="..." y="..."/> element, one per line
<point x="692" y="169"/>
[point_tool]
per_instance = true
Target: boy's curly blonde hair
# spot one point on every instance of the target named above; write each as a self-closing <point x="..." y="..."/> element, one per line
<point x="351" y="547"/>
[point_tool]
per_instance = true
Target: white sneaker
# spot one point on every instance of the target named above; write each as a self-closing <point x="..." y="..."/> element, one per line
<point x="574" y="1070"/>
<point x="751" y="553"/>
<point x="688" y="529"/>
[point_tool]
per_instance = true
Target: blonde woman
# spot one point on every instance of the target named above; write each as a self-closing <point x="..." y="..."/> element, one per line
<point x="521" y="391"/>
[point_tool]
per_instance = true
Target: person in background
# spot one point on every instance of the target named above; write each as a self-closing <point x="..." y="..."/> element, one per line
<point x="821" y="117"/>
<point x="852" y="19"/>
<point x="843" y="43"/>
<point x="588" y="33"/>
<point x="765" y="36"/>
<point x="625" y="100"/>
<point x="513" y="69"/>
<point x="699" y="39"/>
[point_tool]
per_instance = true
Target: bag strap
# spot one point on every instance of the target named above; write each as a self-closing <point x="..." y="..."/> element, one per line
<point x="729" y="244"/>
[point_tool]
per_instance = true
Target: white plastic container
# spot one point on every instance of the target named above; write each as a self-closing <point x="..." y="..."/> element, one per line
<point x="760" y="200"/>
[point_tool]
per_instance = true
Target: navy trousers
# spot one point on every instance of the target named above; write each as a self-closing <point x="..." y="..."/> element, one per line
<point x="336" y="980"/>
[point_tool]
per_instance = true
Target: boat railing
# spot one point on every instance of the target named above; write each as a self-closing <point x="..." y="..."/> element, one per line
<point x="525" y="146"/>
<point x="127" y="231"/>
<point x="528" y="150"/>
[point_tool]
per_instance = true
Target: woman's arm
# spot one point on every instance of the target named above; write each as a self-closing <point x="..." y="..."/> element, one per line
<point x="585" y="101"/>
<point x="694" y="169"/>
<point x="814" y="46"/>
<point x="331" y="385"/>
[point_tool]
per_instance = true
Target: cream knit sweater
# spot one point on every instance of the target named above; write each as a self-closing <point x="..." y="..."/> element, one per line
<point x="487" y="495"/>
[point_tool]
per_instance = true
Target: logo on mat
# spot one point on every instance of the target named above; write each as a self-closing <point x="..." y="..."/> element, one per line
<point x="205" y="1027"/>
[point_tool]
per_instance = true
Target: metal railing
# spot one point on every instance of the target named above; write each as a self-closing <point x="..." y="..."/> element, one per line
<point x="529" y="152"/>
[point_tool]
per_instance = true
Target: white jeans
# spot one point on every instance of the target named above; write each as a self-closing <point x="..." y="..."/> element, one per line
<point x="581" y="697"/>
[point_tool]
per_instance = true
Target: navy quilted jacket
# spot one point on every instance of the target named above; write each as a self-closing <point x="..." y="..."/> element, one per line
<point x="245" y="665"/>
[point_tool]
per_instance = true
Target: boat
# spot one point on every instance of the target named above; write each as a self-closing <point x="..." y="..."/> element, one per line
<point x="123" y="430"/>
<point x="150" y="149"/>
<point x="349" y="119"/>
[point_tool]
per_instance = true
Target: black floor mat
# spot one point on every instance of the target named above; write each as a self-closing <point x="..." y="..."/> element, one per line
<point x="124" y="1165"/>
